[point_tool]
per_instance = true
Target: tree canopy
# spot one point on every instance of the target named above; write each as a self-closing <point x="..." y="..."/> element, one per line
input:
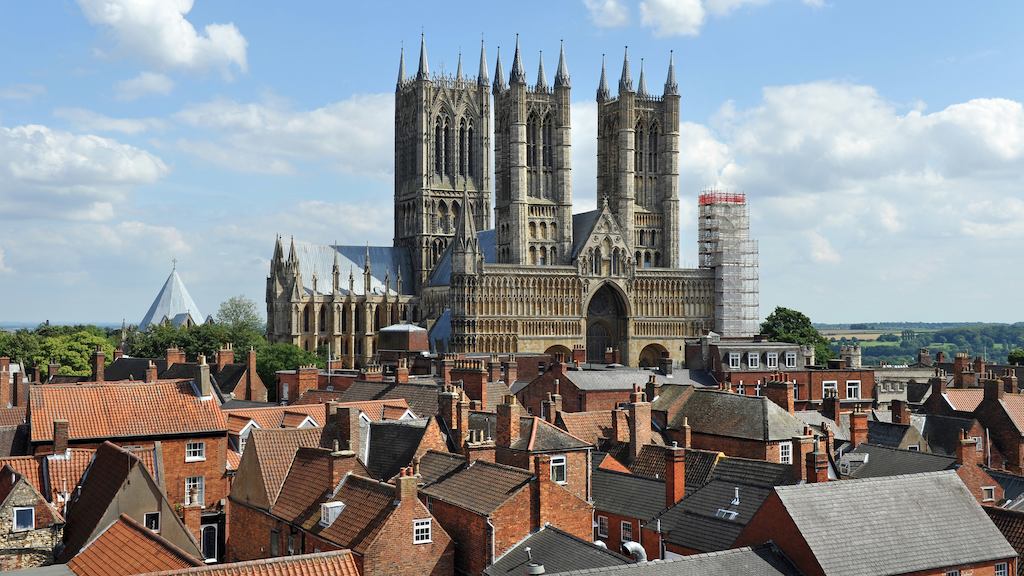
<point x="273" y="357"/>
<point x="241" y="319"/>
<point x="786" y="325"/>
<point x="1016" y="356"/>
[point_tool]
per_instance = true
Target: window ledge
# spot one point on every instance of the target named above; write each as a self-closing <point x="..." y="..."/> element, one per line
<point x="423" y="542"/>
<point x="195" y="458"/>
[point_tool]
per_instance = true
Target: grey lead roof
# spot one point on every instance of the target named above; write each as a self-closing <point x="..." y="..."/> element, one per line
<point x="556" y="550"/>
<point x="889" y="461"/>
<point x="611" y="378"/>
<point x="384" y="261"/>
<point x="916" y="522"/>
<point x="486" y="240"/>
<point x="627" y="495"/>
<point x="174" y="303"/>
<point x="763" y="560"/>
<point x="734" y="415"/>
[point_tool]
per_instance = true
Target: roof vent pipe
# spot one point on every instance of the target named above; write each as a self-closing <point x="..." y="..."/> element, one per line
<point x="532" y="568"/>
<point x="635" y="550"/>
<point x="736" y="498"/>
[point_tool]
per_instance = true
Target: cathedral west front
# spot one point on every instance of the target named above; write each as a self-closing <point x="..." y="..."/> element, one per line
<point x="539" y="278"/>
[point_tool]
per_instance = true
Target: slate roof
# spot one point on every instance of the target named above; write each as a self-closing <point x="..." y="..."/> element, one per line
<point x="1011" y="524"/>
<point x="886" y="433"/>
<point x="899" y="505"/>
<point x="129" y="368"/>
<point x="228" y="377"/>
<point x="700" y="464"/>
<point x="174" y="303"/>
<point x="421" y="398"/>
<point x="943" y="433"/>
<point x="481" y="487"/>
<point x="1013" y="485"/>
<point x="379" y="409"/>
<point x="557" y="551"/>
<point x="816" y="419"/>
<point x="126" y="547"/>
<point x="385" y="261"/>
<point x="118" y="410"/>
<point x="611" y="378"/>
<point x="436" y="465"/>
<point x="627" y="495"/>
<point x="763" y="560"/>
<point x="309" y="482"/>
<point x="317" y="396"/>
<point x="486" y="240"/>
<point x="889" y="461"/>
<point x="582" y="225"/>
<point x="392" y="446"/>
<point x="337" y="563"/>
<point x="694" y="522"/>
<point x="535" y="434"/>
<point x="726" y="414"/>
<point x="274" y="450"/>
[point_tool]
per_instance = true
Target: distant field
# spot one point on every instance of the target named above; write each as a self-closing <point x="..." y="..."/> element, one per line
<point x="863" y="335"/>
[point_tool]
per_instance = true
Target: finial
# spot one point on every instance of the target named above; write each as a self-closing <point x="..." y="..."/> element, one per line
<point x="174" y="263"/>
<point x="499" y="75"/>
<point x="401" y="65"/>
<point x="481" y="77"/>
<point x="602" y="86"/>
<point x="366" y="262"/>
<point x="625" y="81"/>
<point x="642" y="88"/>
<point x="423" y="73"/>
<point x="517" y="76"/>
<point x="458" y="68"/>
<point x="671" y="87"/>
<point x="562" y="75"/>
<point x="542" y="81"/>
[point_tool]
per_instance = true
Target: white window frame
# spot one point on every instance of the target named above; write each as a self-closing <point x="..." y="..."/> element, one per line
<point x="422" y="531"/>
<point x="734" y="360"/>
<point x="914" y="448"/>
<point x="145" y="521"/>
<point x="850" y="383"/>
<point x="216" y="542"/>
<point x="978" y="445"/>
<point x="740" y="389"/>
<point x="952" y="572"/>
<point x="829" y="385"/>
<point x="786" y="452"/>
<point x="796" y="391"/>
<point x="195" y="451"/>
<point x="753" y="360"/>
<point x="559" y="462"/>
<point x="626" y="526"/>
<point x="771" y="360"/>
<point x="790" y="359"/>
<point x="602" y="526"/>
<point x="727" y="514"/>
<point x="200" y="483"/>
<point x="14" y="519"/>
<point x="1002" y="569"/>
<point x="985" y="491"/>
<point x="757" y="388"/>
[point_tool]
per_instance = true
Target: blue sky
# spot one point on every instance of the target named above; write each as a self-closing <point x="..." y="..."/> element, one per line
<point x="881" y="144"/>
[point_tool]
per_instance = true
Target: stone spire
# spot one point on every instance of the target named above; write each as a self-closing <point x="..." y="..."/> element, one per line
<point x="458" y="68"/>
<point x="542" y="81"/>
<point x="423" y="73"/>
<point x="401" y="66"/>
<point x="625" y="81"/>
<point x="499" y="75"/>
<point x="562" y="75"/>
<point x="671" y="87"/>
<point x="642" y="85"/>
<point x="481" y="77"/>
<point x="278" y="251"/>
<point x="366" y="261"/>
<point x="517" y="75"/>
<point x="467" y="231"/>
<point x="335" y="271"/>
<point x="602" y="86"/>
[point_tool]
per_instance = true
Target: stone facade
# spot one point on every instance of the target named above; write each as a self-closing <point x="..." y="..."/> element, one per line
<point x="27" y="548"/>
<point x="544" y="280"/>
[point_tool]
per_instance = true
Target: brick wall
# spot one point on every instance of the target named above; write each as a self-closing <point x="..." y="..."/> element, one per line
<point x="1003" y="433"/>
<point x="393" y="551"/>
<point x="614" y="538"/>
<point x="573" y="399"/>
<point x="577" y="468"/>
<point x="739" y="447"/>
<point x="809" y="384"/>
<point x="470" y="535"/>
<point x="176" y="469"/>
<point x="249" y="537"/>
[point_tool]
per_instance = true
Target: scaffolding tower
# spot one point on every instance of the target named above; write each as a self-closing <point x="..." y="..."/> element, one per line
<point x="725" y="246"/>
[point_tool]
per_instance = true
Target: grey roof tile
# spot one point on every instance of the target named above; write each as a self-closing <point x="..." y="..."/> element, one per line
<point x="763" y="560"/>
<point x="888" y="461"/>
<point x="481" y="487"/>
<point x="556" y="551"/>
<point x="627" y="495"/>
<point x="393" y="445"/>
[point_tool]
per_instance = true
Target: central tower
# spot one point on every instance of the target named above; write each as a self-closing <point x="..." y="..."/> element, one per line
<point x="442" y="154"/>
<point x="533" y="166"/>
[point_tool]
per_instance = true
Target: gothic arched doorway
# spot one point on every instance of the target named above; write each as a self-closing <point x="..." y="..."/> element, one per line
<point x="606" y="323"/>
<point x="651" y="355"/>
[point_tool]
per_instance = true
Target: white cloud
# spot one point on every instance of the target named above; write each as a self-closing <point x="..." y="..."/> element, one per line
<point x="725" y="7"/>
<point x="89" y="121"/>
<point x="814" y="3"/>
<point x="21" y="91"/>
<point x="47" y="173"/>
<point x="821" y="249"/>
<point x="144" y="84"/>
<point x="4" y="268"/>
<point x="584" y="155"/>
<point x="354" y="136"/>
<point x="673" y="17"/>
<point x="158" y="32"/>
<point x="607" y="13"/>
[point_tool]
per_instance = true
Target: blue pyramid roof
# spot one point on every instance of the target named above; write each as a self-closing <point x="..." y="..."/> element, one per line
<point x="174" y="304"/>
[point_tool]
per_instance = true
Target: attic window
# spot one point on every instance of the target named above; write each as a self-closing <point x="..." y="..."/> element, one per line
<point x="790" y="359"/>
<point x="152" y="521"/>
<point x="421" y="531"/>
<point x="329" y="512"/>
<point x="734" y="360"/>
<point x="24" y="519"/>
<point x="988" y="493"/>
<point x="727" y="514"/>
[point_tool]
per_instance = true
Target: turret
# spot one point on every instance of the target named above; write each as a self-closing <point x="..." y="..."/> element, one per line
<point x="458" y="69"/>
<point x="625" y="81"/>
<point x="517" y="76"/>
<point x="542" y="81"/>
<point x="562" y="75"/>
<point x="335" y="273"/>
<point x="423" y="72"/>
<point x="481" y="77"/>
<point x="499" y="75"/>
<point x="602" y="86"/>
<point x="671" y="86"/>
<point x="465" y="253"/>
<point x="642" y="87"/>
<point x="401" y="67"/>
<point x="366" y="272"/>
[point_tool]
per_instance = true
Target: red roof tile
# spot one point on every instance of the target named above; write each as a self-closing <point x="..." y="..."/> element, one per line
<point x="337" y="563"/>
<point x="275" y="416"/>
<point x="12" y="416"/>
<point x="274" y="450"/>
<point x="125" y="548"/>
<point x="1014" y="406"/>
<point x="29" y="467"/>
<point x="310" y="482"/>
<point x="592" y="426"/>
<point x="368" y="504"/>
<point x="964" y="399"/>
<point x="123" y="410"/>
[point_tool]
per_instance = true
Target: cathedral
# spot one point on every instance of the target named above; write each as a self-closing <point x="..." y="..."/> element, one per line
<point x="541" y="278"/>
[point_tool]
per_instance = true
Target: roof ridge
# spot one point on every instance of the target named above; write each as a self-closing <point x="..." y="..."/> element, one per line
<point x="234" y="566"/>
<point x="878" y="479"/>
<point x="485" y="463"/>
<point x="549" y="526"/>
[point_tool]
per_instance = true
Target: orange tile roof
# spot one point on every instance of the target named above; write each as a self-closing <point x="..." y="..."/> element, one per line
<point x="337" y="563"/>
<point x="12" y="416"/>
<point x="309" y="480"/>
<point x="274" y="450"/>
<point x="29" y="467"/>
<point x="237" y="422"/>
<point x="368" y="504"/>
<point x="610" y="463"/>
<point x="46" y="515"/>
<point x="232" y="460"/>
<point x="125" y="547"/>
<point x="276" y="416"/>
<point x="1014" y="406"/>
<point x="592" y="426"/>
<point x="115" y="410"/>
<point x="964" y="399"/>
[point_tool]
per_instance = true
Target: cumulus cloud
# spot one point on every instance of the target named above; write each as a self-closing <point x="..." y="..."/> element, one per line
<point x="47" y="173"/>
<point x="158" y="32"/>
<point x="821" y="249"/>
<point x="354" y="136"/>
<point x="144" y="84"/>
<point x="89" y="121"/>
<point x="673" y="17"/>
<point x="607" y="13"/>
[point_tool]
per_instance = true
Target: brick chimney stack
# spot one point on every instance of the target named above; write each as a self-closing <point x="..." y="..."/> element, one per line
<point x="507" y="428"/>
<point x="1009" y="379"/>
<point x="579" y="354"/>
<point x="347" y="426"/>
<point x="900" y="412"/>
<point x="405" y="486"/>
<point x="250" y="371"/>
<point x="858" y="427"/>
<point x="687" y="435"/>
<point x="552" y="406"/>
<point x="781" y="393"/>
<point x="493" y="369"/>
<point x="52" y="369"/>
<point x="98" y="363"/>
<point x="402" y="371"/>
<point x="151" y="375"/>
<point x="639" y="422"/>
<point x="119" y="352"/>
<point x="175" y="356"/>
<point x="225" y="356"/>
<point x="203" y="378"/>
<point x="511" y="371"/>
<point x="817" y="467"/>
<point x="802" y="446"/>
<point x="651" y="389"/>
<point x="61" y="431"/>
<point x="832" y="407"/>
<point x="542" y="469"/>
<point x="993" y="390"/>
<point x="966" y="450"/>
<point x="675" y="475"/>
<point x="5" y="382"/>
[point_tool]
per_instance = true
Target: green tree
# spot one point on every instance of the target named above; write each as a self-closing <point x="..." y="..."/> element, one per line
<point x="273" y="357"/>
<point x="1016" y="356"/>
<point x="241" y="319"/>
<point x="786" y="325"/>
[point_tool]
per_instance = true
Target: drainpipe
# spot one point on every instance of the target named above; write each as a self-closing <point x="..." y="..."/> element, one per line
<point x="988" y="449"/>
<point x="490" y="530"/>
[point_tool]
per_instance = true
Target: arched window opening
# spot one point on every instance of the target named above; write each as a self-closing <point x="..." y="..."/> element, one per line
<point x="544" y="230"/>
<point x="533" y="230"/>
<point x="548" y="143"/>
<point x="638" y="153"/>
<point x="447" y="149"/>
<point x="596" y="265"/>
<point x="438" y="147"/>
<point x="323" y="318"/>
<point x="469" y="150"/>
<point x="533" y="255"/>
<point x="305" y="319"/>
<point x="647" y="259"/>
<point x="531" y="142"/>
<point x="543" y="256"/>
<point x="652" y="149"/>
<point x="462" y="149"/>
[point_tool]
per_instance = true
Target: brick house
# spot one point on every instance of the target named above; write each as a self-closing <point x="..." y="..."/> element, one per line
<point x="132" y="548"/>
<point x="802" y="520"/>
<point x="30" y="528"/>
<point x="488" y="508"/>
<point x="582" y="389"/>
<point x="117" y="483"/>
<point x="1002" y="414"/>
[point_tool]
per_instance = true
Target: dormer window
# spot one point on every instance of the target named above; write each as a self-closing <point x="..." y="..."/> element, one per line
<point x="734" y="360"/>
<point x="772" y="359"/>
<point x="790" y="359"/>
<point x="727" y="514"/>
<point x="753" y="360"/>
<point x="329" y="512"/>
